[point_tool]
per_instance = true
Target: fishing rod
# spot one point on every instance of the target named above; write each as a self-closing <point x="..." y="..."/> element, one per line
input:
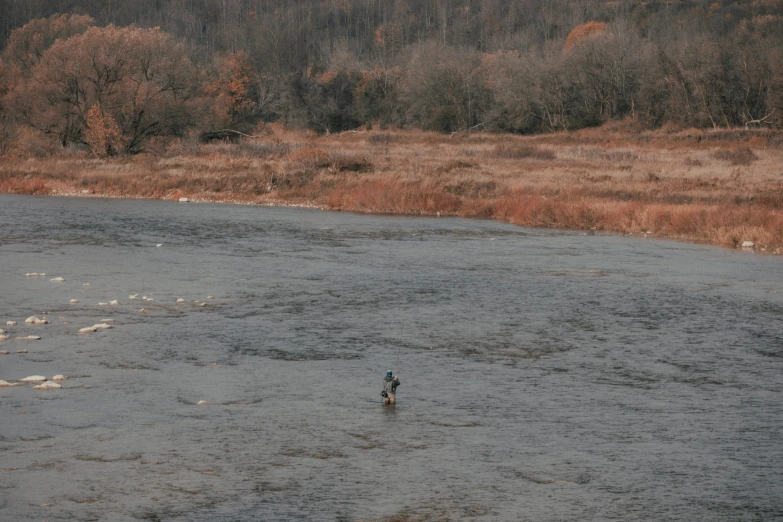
<point x="399" y="338"/>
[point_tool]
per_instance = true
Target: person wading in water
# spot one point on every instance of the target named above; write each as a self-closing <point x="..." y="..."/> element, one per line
<point x="390" y="388"/>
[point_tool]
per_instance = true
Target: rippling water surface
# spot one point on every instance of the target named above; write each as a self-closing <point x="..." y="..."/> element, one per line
<point x="545" y="375"/>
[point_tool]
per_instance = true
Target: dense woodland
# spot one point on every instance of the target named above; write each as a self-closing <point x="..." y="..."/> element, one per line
<point x="114" y="76"/>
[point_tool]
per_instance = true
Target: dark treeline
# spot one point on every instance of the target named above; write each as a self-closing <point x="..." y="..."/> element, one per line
<point x="503" y="65"/>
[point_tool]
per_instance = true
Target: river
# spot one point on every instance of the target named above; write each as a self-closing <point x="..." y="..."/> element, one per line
<point x="546" y="375"/>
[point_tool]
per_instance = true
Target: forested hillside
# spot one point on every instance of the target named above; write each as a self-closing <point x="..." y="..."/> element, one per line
<point x="113" y="75"/>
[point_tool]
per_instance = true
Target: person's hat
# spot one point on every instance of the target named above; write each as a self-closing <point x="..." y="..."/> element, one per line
<point x="389" y="373"/>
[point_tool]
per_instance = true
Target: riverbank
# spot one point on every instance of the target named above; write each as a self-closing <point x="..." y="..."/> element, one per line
<point x="723" y="187"/>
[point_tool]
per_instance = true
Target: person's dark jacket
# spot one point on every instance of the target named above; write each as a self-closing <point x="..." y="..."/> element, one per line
<point x="390" y="384"/>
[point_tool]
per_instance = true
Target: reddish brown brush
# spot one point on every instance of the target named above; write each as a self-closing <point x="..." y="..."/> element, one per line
<point x="663" y="184"/>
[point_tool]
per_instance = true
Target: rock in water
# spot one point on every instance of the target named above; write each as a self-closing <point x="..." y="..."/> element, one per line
<point x="202" y="403"/>
<point x="180" y="300"/>
<point x="59" y="378"/>
<point x="114" y="302"/>
<point x="95" y="328"/>
<point x="29" y="338"/>
<point x="57" y="280"/>
<point x="183" y="200"/>
<point x="159" y="245"/>
<point x="11" y="323"/>
<point x="3" y="352"/>
<point x="35" y="320"/>
<point x="107" y="320"/>
<point x="748" y="244"/>
<point x="33" y="378"/>
<point x="74" y="301"/>
<point x="47" y="386"/>
<point x="5" y="384"/>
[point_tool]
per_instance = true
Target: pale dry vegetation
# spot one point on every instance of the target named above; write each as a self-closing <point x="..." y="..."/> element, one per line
<point x="722" y="187"/>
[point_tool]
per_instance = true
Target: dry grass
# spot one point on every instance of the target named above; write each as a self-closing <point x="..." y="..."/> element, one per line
<point x="739" y="156"/>
<point x="722" y="187"/>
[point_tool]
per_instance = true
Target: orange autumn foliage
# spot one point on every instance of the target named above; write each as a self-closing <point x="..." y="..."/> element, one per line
<point x="580" y="32"/>
<point x="103" y="135"/>
<point x="235" y="89"/>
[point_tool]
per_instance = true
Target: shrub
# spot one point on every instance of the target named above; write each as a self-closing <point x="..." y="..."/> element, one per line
<point x="523" y="151"/>
<point x="263" y="149"/>
<point x="345" y="163"/>
<point x="380" y="139"/>
<point x="741" y="156"/>
<point x="307" y="158"/>
<point x="102" y="134"/>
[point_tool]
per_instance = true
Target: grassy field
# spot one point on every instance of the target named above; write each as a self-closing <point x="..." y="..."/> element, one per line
<point x="723" y="187"/>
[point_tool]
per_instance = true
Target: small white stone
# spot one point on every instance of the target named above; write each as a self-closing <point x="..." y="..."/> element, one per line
<point x="21" y="351"/>
<point x="11" y="323"/>
<point x="85" y="284"/>
<point x="88" y="329"/>
<point x="144" y="298"/>
<point x="102" y="304"/>
<point x="57" y="280"/>
<point x="47" y="386"/>
<point x="159" y="245"/>
<point x="142" y="310"/>
<point x="2" y="331"/>
<point x="59" y="378"/>
<point x="29" y="338"/>
<point x="183" y="200"/>
<point x="210" y="297"/>
<point x="102" y="326"/>
<point x="85" y="191"/>
<point x="30" y="320"/>
<point x="33" y="378"/>
<point x="132" y="297"/>
<point x="202" y="403"/>
<point x="180" y="300"/>
<point x="3" y="352"/>
<point x="202" y="304"/>
<point x="150" y="299"/>
<point x="74" y="301"/>
<point x="114" y="302"/>
<point x="5" y="384"/>
<point x="107" y="320"/>
<point x="748" y="244"/>
<point x="42" y="274"/>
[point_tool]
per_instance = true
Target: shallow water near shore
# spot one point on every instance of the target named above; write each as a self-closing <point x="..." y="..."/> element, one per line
<point x="546" y="375"/>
